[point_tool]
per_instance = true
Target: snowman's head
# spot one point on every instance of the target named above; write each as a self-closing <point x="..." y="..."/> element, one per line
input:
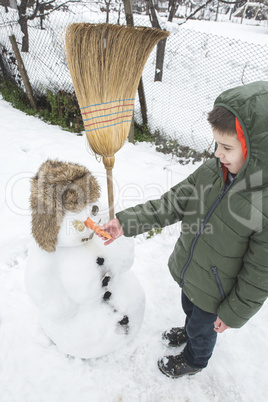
<point x="60" y="193"/>
<point x="73" y="231"/>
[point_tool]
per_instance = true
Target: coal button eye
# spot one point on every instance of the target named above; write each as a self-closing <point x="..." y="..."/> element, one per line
<point x="95" y="210"/>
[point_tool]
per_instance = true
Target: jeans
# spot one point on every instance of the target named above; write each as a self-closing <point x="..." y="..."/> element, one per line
<point x="199" y="327"/>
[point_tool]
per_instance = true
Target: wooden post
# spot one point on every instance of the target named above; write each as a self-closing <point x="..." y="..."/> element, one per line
<point x="217" y="11"/>
<point x="23" y="72"/>
<point x="128" y="12"/>
<point x="243" y="14"/>
<point x="109" y="176"/>
<point x="2" y="66"/>
<point x="143" y="103"/>
<point x="131" y="131"/>
<point x="130" y="22"/>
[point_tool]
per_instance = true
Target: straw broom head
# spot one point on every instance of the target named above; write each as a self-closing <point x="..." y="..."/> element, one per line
<point x="106" y="63"/>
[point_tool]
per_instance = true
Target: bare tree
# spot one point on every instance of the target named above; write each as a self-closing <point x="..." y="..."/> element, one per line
<point x="5" y="4"/>
<point x="23" y="21"/>
<point x="31" y="9"/>
<point x="160" y="53"/>
<point x="108" y="6"/>
<point x="111" y="5"/>
<point x="206" y="3"/>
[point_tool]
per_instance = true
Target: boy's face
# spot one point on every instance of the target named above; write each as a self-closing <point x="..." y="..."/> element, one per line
<point x="229" y="151"/>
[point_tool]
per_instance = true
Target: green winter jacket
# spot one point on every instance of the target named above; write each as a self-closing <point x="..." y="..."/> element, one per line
<point x="221" y="257"/>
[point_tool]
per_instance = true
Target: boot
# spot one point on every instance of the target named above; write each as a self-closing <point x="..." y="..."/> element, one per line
<point x="175" y="337"/>
<point x="176" y="366"/>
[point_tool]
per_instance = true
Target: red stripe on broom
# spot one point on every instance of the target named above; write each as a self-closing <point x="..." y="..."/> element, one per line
<point x="113" y="107"/>
<point x="107" y="121"/>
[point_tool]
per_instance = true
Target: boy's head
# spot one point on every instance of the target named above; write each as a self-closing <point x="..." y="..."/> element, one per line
<point x="223" y="121"/>
<point x="229" y="149"/>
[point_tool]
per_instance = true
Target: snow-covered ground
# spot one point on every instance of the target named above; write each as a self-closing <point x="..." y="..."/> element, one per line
<point x="32" y="369"/>
<point x="257" y="34"/>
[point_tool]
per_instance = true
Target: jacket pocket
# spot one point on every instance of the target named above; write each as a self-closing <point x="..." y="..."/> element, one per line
<point x="216" y="275"/>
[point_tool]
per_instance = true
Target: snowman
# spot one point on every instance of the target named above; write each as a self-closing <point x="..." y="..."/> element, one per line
<point x="90" y="303"/>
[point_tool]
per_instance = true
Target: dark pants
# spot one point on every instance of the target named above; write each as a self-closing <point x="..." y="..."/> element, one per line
<point x="199" y="327"/>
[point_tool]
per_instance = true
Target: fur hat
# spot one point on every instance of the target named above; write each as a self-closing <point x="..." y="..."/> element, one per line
<point x="58" y="187"/>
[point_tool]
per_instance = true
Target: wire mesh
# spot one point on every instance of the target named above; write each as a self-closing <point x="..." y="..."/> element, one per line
<point x="197" y="68"/>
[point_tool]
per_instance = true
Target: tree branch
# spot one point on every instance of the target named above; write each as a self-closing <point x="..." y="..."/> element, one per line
<point x="55" y="8"/>
<point x="231" y="2"/>
<point x="31" y="17"/>
<point x="35" y="15"/>
<point x="196" y="11"/>
<point x="204" y="5"/>
<point x="48" y="2"/>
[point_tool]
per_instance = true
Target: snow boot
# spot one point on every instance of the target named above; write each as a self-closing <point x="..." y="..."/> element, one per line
<point x="176" y="366"/>
<point x="175" y="337"/>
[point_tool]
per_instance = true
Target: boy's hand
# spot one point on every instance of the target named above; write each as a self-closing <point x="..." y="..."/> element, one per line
<point x="219" y="326"/>
<point x="114" y="228"/>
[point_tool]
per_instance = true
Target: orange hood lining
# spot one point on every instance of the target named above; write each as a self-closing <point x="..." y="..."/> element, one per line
<point x="241" y="138"/>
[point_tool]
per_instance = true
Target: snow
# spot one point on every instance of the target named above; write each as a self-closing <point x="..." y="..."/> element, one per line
<point x="32" y="367"/>
<point x="227" y="29"/>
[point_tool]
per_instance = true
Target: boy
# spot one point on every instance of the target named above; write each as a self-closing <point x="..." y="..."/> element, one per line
<point x="223" y="272"/>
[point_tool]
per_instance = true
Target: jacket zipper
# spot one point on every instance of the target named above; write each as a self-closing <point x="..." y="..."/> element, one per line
<point x="220" y="197"/>
<point x="215" y="273"/>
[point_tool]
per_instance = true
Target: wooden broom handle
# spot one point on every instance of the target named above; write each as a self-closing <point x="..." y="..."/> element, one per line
<point x="109" y="174"/>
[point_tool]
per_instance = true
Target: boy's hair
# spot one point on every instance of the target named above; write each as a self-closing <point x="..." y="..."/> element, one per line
<point x="222" y="120"/>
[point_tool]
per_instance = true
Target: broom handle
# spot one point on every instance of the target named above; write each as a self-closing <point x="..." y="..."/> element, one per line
<point x="109" y="174"/>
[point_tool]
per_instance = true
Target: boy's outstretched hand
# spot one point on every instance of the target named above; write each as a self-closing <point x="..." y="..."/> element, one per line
<point x="219" y="326"/>
<point x="114" y="228"/>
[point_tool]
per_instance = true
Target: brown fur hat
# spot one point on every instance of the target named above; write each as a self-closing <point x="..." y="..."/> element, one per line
<point x="57" y="187"/>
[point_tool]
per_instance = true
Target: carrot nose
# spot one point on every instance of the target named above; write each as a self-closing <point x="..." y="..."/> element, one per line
<point x="93" y="226"/>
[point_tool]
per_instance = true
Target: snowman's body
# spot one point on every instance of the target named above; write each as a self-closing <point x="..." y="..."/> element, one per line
<point x="90" y="303"/>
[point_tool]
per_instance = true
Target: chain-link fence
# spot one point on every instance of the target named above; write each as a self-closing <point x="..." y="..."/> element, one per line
<point x="197" y="68"/>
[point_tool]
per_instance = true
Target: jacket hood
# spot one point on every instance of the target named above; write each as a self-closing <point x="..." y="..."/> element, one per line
<point x="56" y="188"/>
<point x="249" y="104"/>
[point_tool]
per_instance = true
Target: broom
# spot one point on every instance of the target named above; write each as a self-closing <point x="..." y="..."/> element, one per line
<point x="106" y="63"/>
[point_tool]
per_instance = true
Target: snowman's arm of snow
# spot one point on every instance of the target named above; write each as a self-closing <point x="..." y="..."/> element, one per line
<point x="45" y="287"/>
